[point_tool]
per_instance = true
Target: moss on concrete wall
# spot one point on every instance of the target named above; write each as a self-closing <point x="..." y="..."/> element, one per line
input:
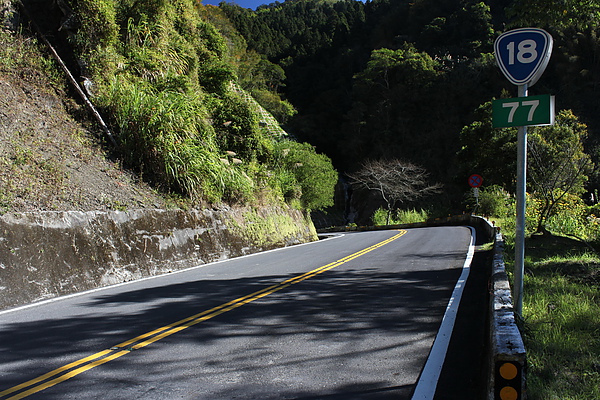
<point x="271" y="228"/>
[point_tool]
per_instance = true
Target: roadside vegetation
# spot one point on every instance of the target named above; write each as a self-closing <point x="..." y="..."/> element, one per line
<point x="171" y="87"/>
<point x="561" y="295"/>
<point x="384" y="217"/>
<point x="168" y="79"/>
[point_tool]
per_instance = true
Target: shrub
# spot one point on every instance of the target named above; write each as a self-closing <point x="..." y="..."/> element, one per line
<point x="314" y="174"/>
<point x="380" y="217"/>
<point x="238" y="130"/>
<point x="495" y="201"/>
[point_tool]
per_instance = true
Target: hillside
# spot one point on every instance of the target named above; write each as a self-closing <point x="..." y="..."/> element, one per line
<point x="166" y="82"/>
<point x="210" y="104"/>
<point x="49" y="159"/>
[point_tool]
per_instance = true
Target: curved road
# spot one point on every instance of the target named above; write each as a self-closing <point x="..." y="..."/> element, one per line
<point x="351" y="317"/>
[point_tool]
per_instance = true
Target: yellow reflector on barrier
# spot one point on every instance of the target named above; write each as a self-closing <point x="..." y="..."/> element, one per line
<point x="508" y="380"/>
<point x="508" y="371"/>
<point x="508" y="393"/>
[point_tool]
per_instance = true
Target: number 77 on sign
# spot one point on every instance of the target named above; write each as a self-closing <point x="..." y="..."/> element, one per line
<point x="523" y="111"/>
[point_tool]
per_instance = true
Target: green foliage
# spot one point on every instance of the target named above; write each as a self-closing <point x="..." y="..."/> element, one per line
<point x="458" y="28"/>
<point x="552" y="14"/>
<point x="313" y="172"/>
<point x="570" y="216"/>
<point x="297" y="28"/>
<point x="406" y="66"/>
<point x="559" y="164"/>
<point x="97" y="39"/>
<point x="282" y="110"/>
<point x="255" y="73"/>
<point x="495" y="201"/>
<point x="384" y="217"/>
<point x="99" y="29"/>
<point x="238" y="131"/>
<point x="488" y="151"/>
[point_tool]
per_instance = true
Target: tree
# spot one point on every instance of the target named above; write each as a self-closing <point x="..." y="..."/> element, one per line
<point x="395" y="181"/>
<point x="312" y="171"/>
<point x="554" y="14"/>
<point x="488" y="151"/>
<point x="559" y="165"/>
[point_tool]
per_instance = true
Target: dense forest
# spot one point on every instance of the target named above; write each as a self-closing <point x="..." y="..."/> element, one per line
<point x="408" y="79"/>
<point x="198" y="94"/>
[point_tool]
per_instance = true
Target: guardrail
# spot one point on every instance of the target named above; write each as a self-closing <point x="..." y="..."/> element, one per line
<point x="507" y="352"/>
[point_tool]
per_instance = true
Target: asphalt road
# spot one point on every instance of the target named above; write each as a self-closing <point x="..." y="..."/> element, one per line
<point x="351" y="317"/>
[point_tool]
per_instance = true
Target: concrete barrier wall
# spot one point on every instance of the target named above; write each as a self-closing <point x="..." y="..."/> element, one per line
<point x="507" y="356"/>
<point x="47" y="254"/>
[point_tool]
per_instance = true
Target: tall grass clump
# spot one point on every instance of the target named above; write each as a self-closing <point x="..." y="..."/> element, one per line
<point x="168" y="134"/>
<point x="561" y="324"/>
<point x="163" y="76"/>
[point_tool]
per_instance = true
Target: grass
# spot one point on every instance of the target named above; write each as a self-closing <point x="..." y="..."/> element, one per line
<point x="561" y="315"/>
<point x="400" y="216"/>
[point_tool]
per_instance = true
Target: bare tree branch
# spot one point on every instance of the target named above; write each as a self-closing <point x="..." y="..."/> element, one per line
<point x="395" y="181"/>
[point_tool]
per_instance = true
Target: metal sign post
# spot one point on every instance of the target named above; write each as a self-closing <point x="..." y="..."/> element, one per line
<point x="475" y="181"/>
<point x="522" y="55"/>
<point x="521" y="210"/>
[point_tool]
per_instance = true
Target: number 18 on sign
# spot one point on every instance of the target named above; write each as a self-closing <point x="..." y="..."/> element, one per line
<point x="523" y="54"/>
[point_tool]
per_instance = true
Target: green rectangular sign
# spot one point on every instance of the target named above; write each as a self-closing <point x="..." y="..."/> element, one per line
<point x="523" y="111"/>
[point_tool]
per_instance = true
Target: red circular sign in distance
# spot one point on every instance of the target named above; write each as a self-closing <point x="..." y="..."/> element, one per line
<point x="475" y="180"/>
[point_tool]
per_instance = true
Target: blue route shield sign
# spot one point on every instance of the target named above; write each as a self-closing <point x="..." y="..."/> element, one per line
<point x="523" y="54"/>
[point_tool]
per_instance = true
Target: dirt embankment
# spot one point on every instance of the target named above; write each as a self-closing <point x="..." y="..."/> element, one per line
<point x="49" y="160"/>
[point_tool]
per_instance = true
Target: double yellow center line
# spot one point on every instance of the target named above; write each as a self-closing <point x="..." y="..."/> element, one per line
<point x="77" y="367"/>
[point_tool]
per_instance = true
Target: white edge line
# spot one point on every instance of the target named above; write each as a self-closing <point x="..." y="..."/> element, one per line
<point x="427" y="384"/>
<point x="68" y="296"/>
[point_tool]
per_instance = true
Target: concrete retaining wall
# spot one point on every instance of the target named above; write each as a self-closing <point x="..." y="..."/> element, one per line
<point x="47" y="254"/>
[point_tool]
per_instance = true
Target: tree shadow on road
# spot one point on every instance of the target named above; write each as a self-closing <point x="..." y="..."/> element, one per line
<point x="336" y="311"/>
